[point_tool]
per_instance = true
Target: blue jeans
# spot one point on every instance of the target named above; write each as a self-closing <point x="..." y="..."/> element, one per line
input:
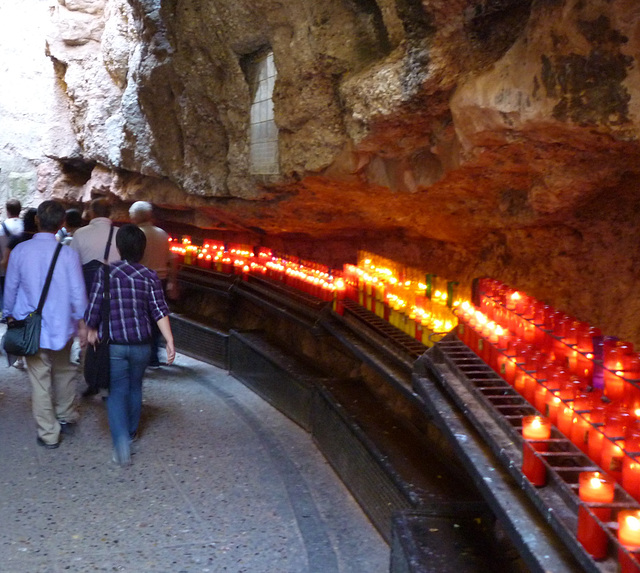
<point x="124" y="404"/>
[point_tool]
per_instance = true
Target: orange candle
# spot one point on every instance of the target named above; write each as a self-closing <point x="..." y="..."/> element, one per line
<point x="594" y="487"/>
<point x="629" y="538"/>
<point x="535" y="429"/>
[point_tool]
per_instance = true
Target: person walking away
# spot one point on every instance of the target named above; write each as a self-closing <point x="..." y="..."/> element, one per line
<point x="30" y="229"/>
<point x="72" y="222"/>
<point x="159" y="258"/>
<point x="51" y="373"/>
<point x="12" y="226"/>
<point x="136" y="301"/>
<point x="90" y="241"/>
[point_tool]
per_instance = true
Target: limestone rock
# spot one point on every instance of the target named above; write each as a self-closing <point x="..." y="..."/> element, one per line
<point x="470" y="137"/>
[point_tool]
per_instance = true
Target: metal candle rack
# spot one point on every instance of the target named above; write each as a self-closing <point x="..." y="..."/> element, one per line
<point x="558" y="501"/>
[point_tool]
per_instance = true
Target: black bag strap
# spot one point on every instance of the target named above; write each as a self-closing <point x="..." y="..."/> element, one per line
<point x="45" y="288"/>
<point x="7" y="233"/>
<point x="106" y="302"/>
<point x="108" y="247"/>
<point x="106" y="299"/>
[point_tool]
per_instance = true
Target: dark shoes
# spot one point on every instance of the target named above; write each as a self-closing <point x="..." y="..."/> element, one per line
<point x="68" y="428"/>
<point x="90" y="392"/>
<point x="44" y="444"/>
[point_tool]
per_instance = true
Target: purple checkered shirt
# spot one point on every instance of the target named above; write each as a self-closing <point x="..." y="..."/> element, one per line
<point x="136" y="299"/>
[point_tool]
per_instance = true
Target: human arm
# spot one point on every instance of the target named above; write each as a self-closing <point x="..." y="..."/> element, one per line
<point x="82" y="333"/>
<point x="4" y="249"/>
<point x="165" y="330"/>
<point x="12" y="280"/>
<point x="78" y="295"/>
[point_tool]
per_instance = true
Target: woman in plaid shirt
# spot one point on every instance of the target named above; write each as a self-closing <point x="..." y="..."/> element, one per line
<point x="136" y="299"/>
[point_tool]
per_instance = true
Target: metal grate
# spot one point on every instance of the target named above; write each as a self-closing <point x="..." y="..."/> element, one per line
<point x="279" y="378"/>
<point x="343" y="445"/>
<point x="558" y="501"/>
<point x="411" y="346"/>
<point x="200" y="341"/>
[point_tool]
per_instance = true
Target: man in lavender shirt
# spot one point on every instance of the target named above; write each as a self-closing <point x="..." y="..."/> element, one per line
<point x="51" y="372"/>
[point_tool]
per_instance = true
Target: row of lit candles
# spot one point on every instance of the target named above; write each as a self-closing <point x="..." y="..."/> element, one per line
<point x="583" y="414"/>
<point x="574" y="342"/>
<point x="596" y="491"/>
<point x="403" y="303"/>
<point x="551" y="363"/>
<point x="506" y="350"/>
<point x="243" y="260"/>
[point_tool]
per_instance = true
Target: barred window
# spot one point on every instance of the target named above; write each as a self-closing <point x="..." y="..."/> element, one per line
<point x="263" y="134"/>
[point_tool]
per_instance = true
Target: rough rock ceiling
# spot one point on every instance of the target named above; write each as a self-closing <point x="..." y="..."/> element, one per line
<point x="469" y="137"/>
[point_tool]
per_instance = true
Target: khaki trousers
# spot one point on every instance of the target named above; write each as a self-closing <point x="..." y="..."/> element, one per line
<point x="53" y="387"/>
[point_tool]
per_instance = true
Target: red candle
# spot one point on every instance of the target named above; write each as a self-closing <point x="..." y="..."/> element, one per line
<point x="556" y="400"/>
<point x="597" y="419"/>
<point x="507" y="361"/>
<point x="534" y="429"/>
<point x="612" y="458"/>
<point x="614" y="385"/>
<point x="541" y="398"/>
<point x="632" y="395"/>
<point x="580" y="431"/>
<point x="594" y="487"/>
<point x="613" y="363"/>
<point x="500" y="341"/>
<point x="565" y="418"/>
<point x="629" y="538"/>
<point x="631" y="476"/>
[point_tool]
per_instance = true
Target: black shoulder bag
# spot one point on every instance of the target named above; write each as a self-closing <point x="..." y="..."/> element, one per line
<point x="90" y="269"/>
<point x="23" y="336"/>
<point x="97" y="372"/>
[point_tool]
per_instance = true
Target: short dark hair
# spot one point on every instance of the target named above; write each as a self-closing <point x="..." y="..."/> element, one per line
<point x="131" y="243"/>
<point x="73" y="218"/>
<point x="50" y="216"/>
<point x="29" y="220"/>
<point x="13" y="207"/>
<point x="100" y="207"/>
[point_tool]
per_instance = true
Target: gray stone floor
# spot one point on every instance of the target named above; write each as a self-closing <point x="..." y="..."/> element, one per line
<point x="220" y="481"/>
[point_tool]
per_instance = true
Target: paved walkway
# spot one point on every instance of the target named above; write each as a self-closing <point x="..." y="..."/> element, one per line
<point x="220" y="481"/>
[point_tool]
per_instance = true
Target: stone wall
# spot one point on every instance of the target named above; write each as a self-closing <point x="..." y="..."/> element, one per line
<point x="468" y="137"/>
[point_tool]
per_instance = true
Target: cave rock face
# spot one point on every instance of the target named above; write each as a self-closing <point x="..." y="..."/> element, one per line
<point x="504" y="132"/>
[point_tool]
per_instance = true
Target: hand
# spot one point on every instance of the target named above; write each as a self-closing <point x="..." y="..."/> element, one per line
<point x="92" y="336"/>
<point x="171" y="351"/>
<point x="172" y="290"/>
